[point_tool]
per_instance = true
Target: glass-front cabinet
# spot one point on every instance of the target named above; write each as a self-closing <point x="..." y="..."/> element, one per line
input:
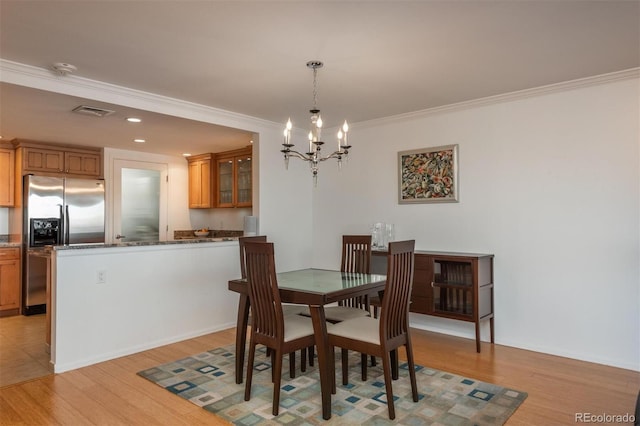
<point x="234" y="178"/>
<point x="453" y="287"/>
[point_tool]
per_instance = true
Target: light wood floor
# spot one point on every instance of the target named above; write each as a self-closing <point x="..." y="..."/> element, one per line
<point x="111" y="393"/>
<point x="23" y="352"/>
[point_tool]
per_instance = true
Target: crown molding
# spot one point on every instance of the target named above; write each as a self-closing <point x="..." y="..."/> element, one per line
<point x="509" y="97"/>
<point x="39" y="78"/>
<point x="43" y="79"/>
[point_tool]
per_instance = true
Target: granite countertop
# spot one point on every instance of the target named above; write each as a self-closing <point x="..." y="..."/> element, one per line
<point x="188" y="234"/>
<point x="144" y="243"/>
<point x="7" y="240"/>
<point x="5" y="244"/>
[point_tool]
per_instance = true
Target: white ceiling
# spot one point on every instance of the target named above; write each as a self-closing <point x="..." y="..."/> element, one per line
<point x="382" y="58"/>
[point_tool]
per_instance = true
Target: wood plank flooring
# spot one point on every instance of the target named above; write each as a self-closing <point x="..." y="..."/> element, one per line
<point x="23" y="353"/>
<point x="110" y="393"/>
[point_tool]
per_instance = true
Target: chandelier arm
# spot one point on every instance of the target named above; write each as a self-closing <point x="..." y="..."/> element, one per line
<point x="299" y="155"/>
<point x="336" y="154"/>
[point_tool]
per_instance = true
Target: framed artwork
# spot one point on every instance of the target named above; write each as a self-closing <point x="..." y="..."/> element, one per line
<point x="428" y="175"/>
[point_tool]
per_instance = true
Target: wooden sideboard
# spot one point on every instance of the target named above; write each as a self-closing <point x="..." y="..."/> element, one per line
<point x="450" y="285"/>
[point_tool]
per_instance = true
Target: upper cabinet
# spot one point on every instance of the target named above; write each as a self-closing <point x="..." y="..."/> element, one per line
<point x="220" y="180"/>
<point x="59" y="160"/>
<point x="7" y="176"/>
<point x="201" y="181"/>
<point x="234" y="178"/>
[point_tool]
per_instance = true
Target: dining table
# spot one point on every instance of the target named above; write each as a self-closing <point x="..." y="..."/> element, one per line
<point x="315" y="288"/>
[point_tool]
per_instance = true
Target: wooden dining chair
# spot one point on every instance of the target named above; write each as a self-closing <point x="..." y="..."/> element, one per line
<point x="356" y="257"/>
<point x="287" y="309"/>
<point x="381" y="337"/>
<point x="269" y="326"/>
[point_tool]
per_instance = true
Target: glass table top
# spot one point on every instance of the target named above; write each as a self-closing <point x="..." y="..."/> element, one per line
<point x="325" y="281"/>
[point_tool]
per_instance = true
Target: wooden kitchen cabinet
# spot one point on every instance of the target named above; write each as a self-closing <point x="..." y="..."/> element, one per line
<point x="9" y="281"/>
<point x="201" y="181"/>
<point x="82" y="163"/>
<point x="58" y="160"/>
<point x="450" y="285"/>
<point x="234" y="178"/>
<point x="7" y="176"/>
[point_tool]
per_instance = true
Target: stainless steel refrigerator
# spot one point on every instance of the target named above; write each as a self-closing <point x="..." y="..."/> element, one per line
<point x="57" y="211"/>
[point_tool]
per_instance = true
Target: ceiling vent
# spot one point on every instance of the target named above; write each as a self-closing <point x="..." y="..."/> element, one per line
<point x="95" y="111"/>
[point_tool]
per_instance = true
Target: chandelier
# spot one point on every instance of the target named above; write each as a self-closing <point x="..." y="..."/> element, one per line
<point x="313" y="155"/>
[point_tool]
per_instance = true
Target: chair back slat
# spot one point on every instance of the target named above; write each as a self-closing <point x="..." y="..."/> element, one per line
<point x="241" y="243"/>
<point x="356" y="254"/>
<point x="394" y="318"/>
<point x="356" y="257"/>
<point x="266" y="308"/>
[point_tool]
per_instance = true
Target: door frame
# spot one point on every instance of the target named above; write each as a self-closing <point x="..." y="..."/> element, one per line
<point x="116" y="204"/>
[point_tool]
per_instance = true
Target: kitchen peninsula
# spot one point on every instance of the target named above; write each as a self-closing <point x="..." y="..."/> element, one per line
<point x="113" y="300"/>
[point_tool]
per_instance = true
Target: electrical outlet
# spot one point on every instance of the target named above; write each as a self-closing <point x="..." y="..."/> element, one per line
<point x="102" y="276"/>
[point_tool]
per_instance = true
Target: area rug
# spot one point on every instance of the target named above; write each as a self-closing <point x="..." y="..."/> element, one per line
<point x="208" y="380"/>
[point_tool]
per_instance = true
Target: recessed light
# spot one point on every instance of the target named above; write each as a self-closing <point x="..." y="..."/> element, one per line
<point x="139" y="140"/>
<point x="133" y="120"/>
<point x="186" y="154"/>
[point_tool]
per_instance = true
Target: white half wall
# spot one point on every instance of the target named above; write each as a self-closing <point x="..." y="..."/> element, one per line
<point x="549" y="183"/>
<point x="153" y="296"/>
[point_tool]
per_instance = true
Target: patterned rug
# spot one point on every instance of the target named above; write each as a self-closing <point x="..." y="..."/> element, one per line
<point x="208" y="380"/>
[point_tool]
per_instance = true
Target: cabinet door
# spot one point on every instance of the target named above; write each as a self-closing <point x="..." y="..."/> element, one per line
<point x="7" y="164"/>
<point x="225" y="182"/>
<point x="81" y="163"/>
<point x="421" y="291"/>
<point x="200" y="195"/>
<point x="453" y="287"/>
<point x="9" y="279"/>
<point x="243" y="181"/>
<point x="43" y="160"/>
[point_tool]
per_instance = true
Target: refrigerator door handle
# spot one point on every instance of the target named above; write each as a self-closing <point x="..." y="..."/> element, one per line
<point x="66" y="225"/>
<point x="63" y="227"/>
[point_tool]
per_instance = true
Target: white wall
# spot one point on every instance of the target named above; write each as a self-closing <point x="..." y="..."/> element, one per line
<point x="223" y="218"/>
<point x="548" y="183"/>
<point x="153" y="295"/>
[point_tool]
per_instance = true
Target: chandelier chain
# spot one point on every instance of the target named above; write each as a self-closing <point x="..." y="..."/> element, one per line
<point x="315" y="88"/>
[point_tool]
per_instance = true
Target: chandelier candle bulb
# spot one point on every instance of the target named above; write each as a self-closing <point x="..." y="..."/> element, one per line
<point x="345" y="127"/>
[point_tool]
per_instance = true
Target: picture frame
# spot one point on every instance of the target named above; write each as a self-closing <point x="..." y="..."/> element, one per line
<point x="428" y="175"/>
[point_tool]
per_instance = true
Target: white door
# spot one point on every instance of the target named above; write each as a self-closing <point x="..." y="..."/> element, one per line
<point x="139" y="201"/>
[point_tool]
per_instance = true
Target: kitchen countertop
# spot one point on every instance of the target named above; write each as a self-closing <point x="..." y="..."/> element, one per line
<point x="145" y="243"/>
<point x="7" y="241"/>
<point x="9" y="245"/>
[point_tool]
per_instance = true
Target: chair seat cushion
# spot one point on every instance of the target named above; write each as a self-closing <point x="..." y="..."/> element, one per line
<point x="294" y="309"/>
<point x="366" y="329"/>
<point x="297" y="326"/>
<point x="343" y="313"/>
